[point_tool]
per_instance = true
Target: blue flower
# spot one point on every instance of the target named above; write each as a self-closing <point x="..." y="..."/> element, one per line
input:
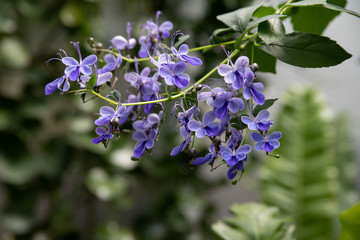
<point x="224" y="102"/>
<point x="232" y="156"/>
<point x="182" y="55"/>
<point x="174" y="74"/>
<point x="74" y="67"/>
<point x="108" y="114"/>
<point x="187" y="139"/>
<point x="234" y="74"/>
<point x="61" y="83"/>
<point x="253" y="89"/>
<point x="103" y="134"/>
<point x="261" y="122"/>
<point x="145" y="140"/>
<point x="121" y="43"/>
<point x="233" y="170"/>
<point x="267" y="143"/>
<point x="206" y="128"/>
<point x="112" y="63"/>
<point x="209" y="158"/>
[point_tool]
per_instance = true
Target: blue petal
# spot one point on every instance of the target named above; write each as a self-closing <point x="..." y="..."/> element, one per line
<point x="257" y="137"/>
<point x="191" y="60"/>
<point x="97" y="140"/>
<point x="231" y="173"/>
<point x="274" y="136"/>
<point x="51" y="87"/>
<point x="176" y="150"/>
<point x="139" y="136"/>
<point x="69" y="61"/>
<point x="202" y="160"/>
<point x="89" y="60"/>
<point x="200" y="133"/>
<point x="139" y="149"/>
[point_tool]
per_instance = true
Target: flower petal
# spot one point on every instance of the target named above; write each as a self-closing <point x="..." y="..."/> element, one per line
<point x="179" y="67"/>
<point x="139" y="149"/>
<point x="257" y="137"/>
<point x="69" y="61"/>
<point x="224" y="69"/>
<point x="275" y="136"/>
<point x="209" y="117"/>
<point x="139" y="136"/>
<point x="89" y="60"/>
<point x="107" y="111"/>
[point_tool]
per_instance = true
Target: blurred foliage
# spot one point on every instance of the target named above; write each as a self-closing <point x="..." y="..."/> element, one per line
<point x="254" y="221"/>
<point x="350" y="221"/>
<point x="314" y="177"/>
<point x="54" y="183"/>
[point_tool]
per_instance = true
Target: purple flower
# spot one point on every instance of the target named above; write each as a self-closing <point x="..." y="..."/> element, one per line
<point x="261" y="122"/>
<point x="112" y="63"/>
<point x="187" y="139"/>
<point x="253" y="89"/>
<point x="103" y="134"/>
<point x="101" y="78"/>
<point x="206" y="128"/>
<point x="182" y="55"/>
<point x="185" y="116"/>
<point x="233" y="170"/>
<point x="234" y="74"/>
<point x="151" y="122"/>
<point x="225" y="101"/>
<point x="232" y="156"/>
<point x="210" y="96"/>
<point x="208" y="157"/>
<point x="174" y="74"/>
<point x="74" y="67"/>
<point x="108" y="114"/>
<point x="267" y="143"/>
<point x="235" y="138"/>
<point x="61" y="83"/>
<point x="154" y="35"/>
<point x="121" y="43"/>
<point x="144" y="140"/>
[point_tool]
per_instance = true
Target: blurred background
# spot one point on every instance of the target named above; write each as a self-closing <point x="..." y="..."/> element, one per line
<point x="56" y="184"/>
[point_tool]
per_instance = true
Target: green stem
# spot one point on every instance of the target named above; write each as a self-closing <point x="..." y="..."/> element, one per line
<point x="211" y="46"/>
<point x="102" y="97"/>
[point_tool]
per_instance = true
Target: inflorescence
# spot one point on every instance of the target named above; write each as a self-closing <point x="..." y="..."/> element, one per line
<point x="228" y="109"/>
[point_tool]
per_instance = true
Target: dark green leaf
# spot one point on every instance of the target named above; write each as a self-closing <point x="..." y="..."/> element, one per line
<point x="350" y="221"/>
<point x="239" y="19"/>
<point x="308" y="3"/>
<point x="253" y="24"/>
<point x="307" y="50"/>
<point x="268" y="103"/>
<point x="271" y="30"/>
<point x="181" y="40"/>
<point x="338" y="8"/>
<point x="263" y="11"/>
<point x="314" y="19"/>
<point x="91" y="83"/>
<point x="265" y="61"/>
<point x="114" y="95"/>
<point x="222" y="35"/>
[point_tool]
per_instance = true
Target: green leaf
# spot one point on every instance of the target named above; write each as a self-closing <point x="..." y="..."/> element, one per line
<point x="222" y="35"/>
<point x="308" y="3"/>
<point x="268" y="103"/>
<point x="254" y="24"/>
<point x="239" y="19"/>
<point x="265" y="61"/>
<point x="91" y="83"/>
<point x="350" y="221"/>
<point x="263" y="11"/>
<point x="314" y="19"/>
<point x="254" y="221"/>
<point x="271" y="30"/>
<point x="190" y="100"/>
<point x="340" y="9"/>
<point x="307" y="50"/>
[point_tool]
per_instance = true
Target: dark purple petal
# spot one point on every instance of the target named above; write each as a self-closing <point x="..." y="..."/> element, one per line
<point x="262" y="126"/>
<point x="259" y="98"/>
<point x="238" y="80"/>
<point x="268" y="147"/>
<point x="72" y="72"/>
<point x="221" y="112"/>
<point x="232" y="161"/>
<point x="89" y="60"/>
<point x="220" y="102"/>
<point x="108" y="136"/>
<point x="102" y="120"/>
<point x="139" y="149"/>
<point x="249" y="77"/>
<point x="257" y="137"/>
<point x="69" y="61"/>
<point x="97" y="140"/>
<point x="231" y="173"/>
<point x="176" y="150"/>
<point x="212" y="129"/>
<point x="202" y="160"/>
<point x="100" y="131"/>
<point x="181" y="80"/>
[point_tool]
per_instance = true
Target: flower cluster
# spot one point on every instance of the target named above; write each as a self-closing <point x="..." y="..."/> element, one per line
<point x="229" y="113"/>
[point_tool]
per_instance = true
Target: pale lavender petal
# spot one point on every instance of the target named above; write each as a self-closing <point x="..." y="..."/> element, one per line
<point x="69" y="61"/>
<point x="275" y="143"/>
<point x="100" y="131"/>
<point x="169" y="80"/>
<point x="230" y="77"/>
<point x="203" y="96"/>
<point x="274" y="136"/>
<point x="200" y="133"/>
<point x="247" y="120"/>
<point x="103" y="78"/>
<point x="66" y="85"/>
<point x="149" y="144"/>
<point x="259" y="146"/>
<point x="89" y="60"/>
<point x="165" y="71"/>
<point x="132" y="43"/>
<point x="106" y="110"/>
<point x="263" y="115"/>
<point x="102" y="120"/>
<point x="224" y="69"/>
<point x="241" y="62"/>
<point x="227" y="156"/>
<point x="194" y="125"/>
<point x="119" y="42"/>
<point x="247" y="93"/>
<point x="52" y="86"/>
<point x="109" y="58"/>
<point x="183" y="49"/>
<point x="192" y="60"/>
<point x="145" y="72"/>
<point x="225" y="149"/>
<point x="86" y="70"/>
<point x="152" y="134"/>
<point x="153" y="118"/>
<point x="108" y="136"/>
<point x="166" y="26"/>
<point x="258" y="86"/>
<point x="249" y="77"/>
<point x="245" y="149"/>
